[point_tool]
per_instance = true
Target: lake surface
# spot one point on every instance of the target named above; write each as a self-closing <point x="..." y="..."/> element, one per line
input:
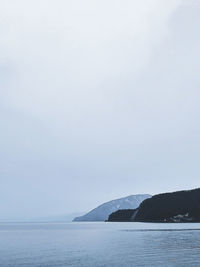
<point x="99" y="244"/>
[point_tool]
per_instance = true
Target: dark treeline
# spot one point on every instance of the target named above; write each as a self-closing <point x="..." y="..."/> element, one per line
<point x="181" y="206"/>
<point x="121" y="215"/>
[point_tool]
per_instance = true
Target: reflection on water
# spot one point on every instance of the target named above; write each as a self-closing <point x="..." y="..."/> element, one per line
<point x="99" y="244"/>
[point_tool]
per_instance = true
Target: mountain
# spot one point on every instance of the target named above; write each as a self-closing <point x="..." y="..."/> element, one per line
<point x="102" y="212"/>
<point x="180" y="206"/>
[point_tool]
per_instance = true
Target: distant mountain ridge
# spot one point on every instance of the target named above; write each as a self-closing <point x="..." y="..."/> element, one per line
<point x="102" y="212"/>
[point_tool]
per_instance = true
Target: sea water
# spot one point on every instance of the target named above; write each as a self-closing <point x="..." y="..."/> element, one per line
<point x="99" y="244"/>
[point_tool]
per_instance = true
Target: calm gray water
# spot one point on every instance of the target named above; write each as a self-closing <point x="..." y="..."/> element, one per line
<point x="99" y="244"/>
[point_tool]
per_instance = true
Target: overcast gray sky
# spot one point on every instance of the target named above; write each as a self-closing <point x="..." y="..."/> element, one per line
<point x="98" y="100"/>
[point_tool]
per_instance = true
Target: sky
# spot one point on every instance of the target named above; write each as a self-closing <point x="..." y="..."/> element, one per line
<point x="98" y="100"/>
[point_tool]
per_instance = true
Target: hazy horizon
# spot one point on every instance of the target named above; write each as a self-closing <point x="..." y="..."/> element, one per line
<point x="98" y="100"/>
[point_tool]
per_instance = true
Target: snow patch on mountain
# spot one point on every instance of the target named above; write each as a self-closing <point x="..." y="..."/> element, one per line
<point x="102" y="212"/>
